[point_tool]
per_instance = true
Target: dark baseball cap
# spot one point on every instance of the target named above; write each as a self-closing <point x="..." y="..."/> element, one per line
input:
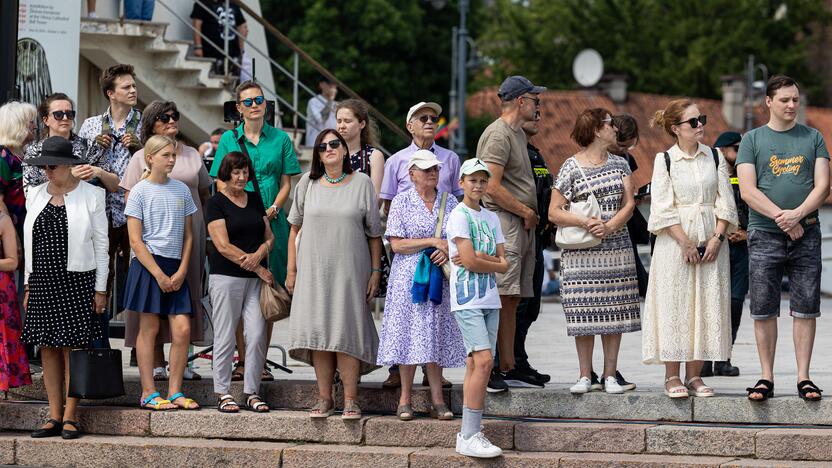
<point x="516" y="86"/>
<point x="728" y="139"/>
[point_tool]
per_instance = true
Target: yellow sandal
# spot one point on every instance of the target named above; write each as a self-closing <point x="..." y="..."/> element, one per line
<point x="188" y="402"/>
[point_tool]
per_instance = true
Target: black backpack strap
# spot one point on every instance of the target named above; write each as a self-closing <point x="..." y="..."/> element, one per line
<point x="716" y="158"/>
<point x="667" y="161"/>
<point x="240" y="139"/>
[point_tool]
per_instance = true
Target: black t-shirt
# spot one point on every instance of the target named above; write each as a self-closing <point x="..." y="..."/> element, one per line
<point x="214" y="29"/>
<point x="245" y="227"/>
<point x="543" y="181"/>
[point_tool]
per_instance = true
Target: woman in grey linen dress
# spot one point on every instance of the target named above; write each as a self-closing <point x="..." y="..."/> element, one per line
<point x="334" y="273"/>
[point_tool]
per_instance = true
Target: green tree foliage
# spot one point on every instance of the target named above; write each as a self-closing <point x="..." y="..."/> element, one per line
<point x="664" y="46"/>
<point x="394" y="53"/>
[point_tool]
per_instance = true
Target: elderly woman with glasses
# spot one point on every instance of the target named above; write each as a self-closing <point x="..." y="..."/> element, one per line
<point x="17" y="129"/>
<point x="425" y="332"/>
<point x="599" y="288"/>
<point x="274" y="161"/>
<point x="334" y="273"/>
<point x="57" y="114"/>
<point x="162" y="118"/>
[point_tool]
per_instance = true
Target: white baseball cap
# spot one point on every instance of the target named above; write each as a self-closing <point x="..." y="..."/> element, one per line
<point x="422" y="105"/>
<point x="423" y="159"/>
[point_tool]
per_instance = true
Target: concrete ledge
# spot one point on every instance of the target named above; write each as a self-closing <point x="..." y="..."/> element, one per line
<point x="273" y="426"/>
<point x="94" y="419"/>
<point x="345" y="456"/>
<point x="96" y="451"/>
<point x="579" y="437"/>
<point x="390" y="431"/>
<point x="7" y="448"/>
<point x="434" y="457"/>
<point x="590" y="460"/>
<point x="22" y="416"/>
<point x="749" y="463"/>
<point x="546" y="403"/>
<point x="697" y="440"/>
<point x="779" y="410"/>
<point x="795" y="444"/>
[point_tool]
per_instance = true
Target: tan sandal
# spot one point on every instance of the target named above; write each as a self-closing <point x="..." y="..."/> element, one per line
<point x="441" y="412"/>
<point x="404" y="412"/>
<point x="351" y="411"/>
<point x="679" y="391"/>
<point x="703" y="391"/>
<point x="322" y="410"/>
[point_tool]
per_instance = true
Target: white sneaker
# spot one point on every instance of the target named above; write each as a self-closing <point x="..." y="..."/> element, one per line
<point x="477" y="446"/>
<point x="160" y="373"/>
<point x="582" y="386"/>
<point x="611" y="385"/>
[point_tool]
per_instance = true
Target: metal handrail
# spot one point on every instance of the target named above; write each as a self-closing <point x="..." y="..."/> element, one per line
<point x="231" y="59"/>
<point x="320" y="69"/>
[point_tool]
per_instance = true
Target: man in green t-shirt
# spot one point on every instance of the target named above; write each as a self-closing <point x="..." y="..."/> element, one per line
<point x="783" y="170"/>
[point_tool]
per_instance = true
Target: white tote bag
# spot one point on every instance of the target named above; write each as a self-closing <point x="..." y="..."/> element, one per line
<point x="576" y="237"/>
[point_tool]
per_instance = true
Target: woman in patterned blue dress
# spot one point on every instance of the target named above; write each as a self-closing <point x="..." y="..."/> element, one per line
<point x="599" y="286"/>
<point x="423" y="333"/>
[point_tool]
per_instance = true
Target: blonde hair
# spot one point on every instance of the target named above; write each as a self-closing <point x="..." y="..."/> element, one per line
<point x="155" y="144"/>
<point x="670" y="115"/>
<point x="14" y="123"/>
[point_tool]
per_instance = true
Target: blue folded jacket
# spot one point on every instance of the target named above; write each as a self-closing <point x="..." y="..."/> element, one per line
<point x="427" y="280"/>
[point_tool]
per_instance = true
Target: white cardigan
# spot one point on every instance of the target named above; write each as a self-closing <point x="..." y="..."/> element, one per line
<point x="87" y="224"/>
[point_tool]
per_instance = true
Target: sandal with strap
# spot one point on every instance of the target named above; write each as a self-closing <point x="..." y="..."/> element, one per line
<point x="404" y="412"/>
<point x="322" y="410"/>
<point x="237" y="374"/>
<point x="766" y="391"/>
<point x="703" y="391"/>
<point x="679" y="391"/>
<point x="188" y="403"/>
<point x="259" y="406"/>
<point x="441" y="412"/>
<point x="224" y="402"/>
<point x="154" y="402"/>
<point x="352" y="412"/>
<point x="68" y="434"/>
<point x="54" y="430"/>
<point x="806" y="387"/>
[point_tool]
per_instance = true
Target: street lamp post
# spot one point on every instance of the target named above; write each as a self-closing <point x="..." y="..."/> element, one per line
<point x="462" y="77"/>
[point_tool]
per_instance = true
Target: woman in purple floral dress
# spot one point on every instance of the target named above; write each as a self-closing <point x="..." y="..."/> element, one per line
<point x="421" y="333"/>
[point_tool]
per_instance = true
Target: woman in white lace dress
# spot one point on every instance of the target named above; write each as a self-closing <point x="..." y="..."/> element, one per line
<point x="687" y="316"/>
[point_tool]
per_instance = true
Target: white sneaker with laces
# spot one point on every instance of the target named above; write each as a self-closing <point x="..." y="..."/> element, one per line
<point x="611" y="385"/>
<point x="582" y="386"/>
<point x="476" y="446"/>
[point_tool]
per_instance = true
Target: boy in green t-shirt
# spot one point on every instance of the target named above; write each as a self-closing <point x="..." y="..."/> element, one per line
<point x="783" y="170"/>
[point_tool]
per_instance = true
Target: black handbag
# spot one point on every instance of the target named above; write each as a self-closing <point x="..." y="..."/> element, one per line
<point x="95" y="374"/>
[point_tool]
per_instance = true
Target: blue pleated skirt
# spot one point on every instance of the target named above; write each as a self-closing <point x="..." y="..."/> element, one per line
<point x="144" y="295"/>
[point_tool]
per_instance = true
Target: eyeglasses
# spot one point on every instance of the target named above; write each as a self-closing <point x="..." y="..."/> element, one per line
<point x="51" y="167"/>
<point x="430" y="169"/>
<point x="332" y="144"/>
<point x="165" y="118"/>
<point x="696" y="121"/>
<point x="535" y="100"/>
<point x="424" y="119"/>
<point x="255" y="100"/>
<point x="61" y="115"/>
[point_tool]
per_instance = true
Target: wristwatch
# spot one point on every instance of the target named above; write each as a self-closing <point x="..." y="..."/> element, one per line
<point x="719" y="236"/>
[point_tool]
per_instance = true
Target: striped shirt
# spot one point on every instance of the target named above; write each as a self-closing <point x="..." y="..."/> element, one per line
<point x="162" y="209"/>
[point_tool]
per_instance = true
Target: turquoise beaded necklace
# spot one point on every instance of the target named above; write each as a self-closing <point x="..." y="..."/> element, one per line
<point x="335" y="180"/>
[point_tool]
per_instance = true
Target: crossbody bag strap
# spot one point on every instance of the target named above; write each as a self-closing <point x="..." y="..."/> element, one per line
<point x="438" y="232"/>
<point x="240" y="139"/>
<point x="584" y="178"/>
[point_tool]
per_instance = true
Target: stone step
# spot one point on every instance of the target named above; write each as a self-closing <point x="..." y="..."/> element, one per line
<point x="523" y="436"/>
<point x="96" y="451"/>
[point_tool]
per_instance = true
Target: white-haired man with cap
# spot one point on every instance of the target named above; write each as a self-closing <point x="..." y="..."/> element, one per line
<point x="421" y="122"/>
<point x="512" y="195"/>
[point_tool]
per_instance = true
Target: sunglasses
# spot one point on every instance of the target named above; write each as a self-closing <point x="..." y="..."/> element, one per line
<point x="696" y="121"/>
<point x="51" y="167"/>
<point x="332" y="144"/>
<point x="61" y="115"/>
<point x="433" y="118"/>
<point x="430" y="169"/>
<point x="165" y="118"/>
<point x="255" y="100"/>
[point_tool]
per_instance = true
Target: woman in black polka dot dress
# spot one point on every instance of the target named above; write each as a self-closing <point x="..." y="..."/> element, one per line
<point x="65" y="237"/>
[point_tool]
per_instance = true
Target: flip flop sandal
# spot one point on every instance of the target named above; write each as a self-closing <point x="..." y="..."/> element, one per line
<point x="352" y="412"/>
<point x="679" y="391"/>
<point x="441" y="412"/>
<point x="188" y="402"/>
<point x="237" y="374"/>
<point x="703" y="391"/>
<point x="259" y="406"/>
<point x="322" y="410"/>
<point x="404" y="412"/>
<point x="767" y="390"/>
<point x="267" y="375"/>
<point x="154" y="402"/>
<point x="806" y="387"/>
<point x="224" y="402"/>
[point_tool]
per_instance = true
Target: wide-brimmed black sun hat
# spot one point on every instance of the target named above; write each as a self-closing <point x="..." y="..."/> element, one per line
<point x="55" y="151"/>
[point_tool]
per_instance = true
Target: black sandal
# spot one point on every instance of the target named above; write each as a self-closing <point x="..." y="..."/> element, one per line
<point x="806" y="387"/>
<point x="68" y="434"/>
<point x="256" y="404"/>
<point x="226" y="401"/>
<point x="767" y="390"/>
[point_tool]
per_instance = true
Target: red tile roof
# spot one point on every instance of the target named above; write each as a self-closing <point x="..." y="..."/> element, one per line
<point x="559" y="109"/>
